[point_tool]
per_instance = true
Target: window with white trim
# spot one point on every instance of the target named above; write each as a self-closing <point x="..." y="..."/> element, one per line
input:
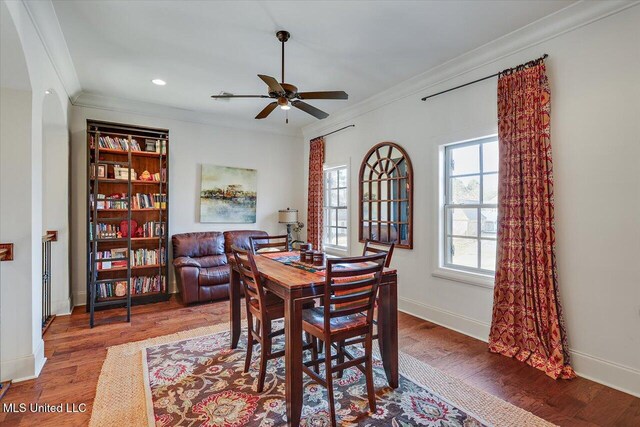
<point x="471" y="205"/>
<point x="336" y="216"/>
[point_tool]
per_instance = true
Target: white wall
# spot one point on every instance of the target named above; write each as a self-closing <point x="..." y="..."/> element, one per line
<point x="15" y="137"/>
<point x="55" y="200"/>
<point x="593" y="73"/>
<point x="276" y="157"/>
<point x="22" y="345"/>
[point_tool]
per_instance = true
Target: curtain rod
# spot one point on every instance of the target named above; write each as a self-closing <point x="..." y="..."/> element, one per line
<point x="507" y="71"/>
<point x="337" y="130"/>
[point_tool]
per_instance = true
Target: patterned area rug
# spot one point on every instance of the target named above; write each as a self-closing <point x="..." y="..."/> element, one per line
<point x="200" y="381"/>
<point x="192" y="378"/>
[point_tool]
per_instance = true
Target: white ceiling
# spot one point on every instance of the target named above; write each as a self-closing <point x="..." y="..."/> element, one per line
<point x="204" y="47"/>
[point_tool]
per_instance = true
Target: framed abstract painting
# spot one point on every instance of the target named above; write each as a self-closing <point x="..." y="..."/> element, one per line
<point x="228" y="195"/>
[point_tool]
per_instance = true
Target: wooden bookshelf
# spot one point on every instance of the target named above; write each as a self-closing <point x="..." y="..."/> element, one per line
<point x="118" y="198"/>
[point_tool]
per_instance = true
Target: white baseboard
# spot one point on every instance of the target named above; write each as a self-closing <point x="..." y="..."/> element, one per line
<point x="26" y="367"/>
<point x="40" y="360"/>
<point x="61" y="307"/>
<point x="610" y="374"/>
<point x="464" y="325"/>
<point x="80" y="299"/>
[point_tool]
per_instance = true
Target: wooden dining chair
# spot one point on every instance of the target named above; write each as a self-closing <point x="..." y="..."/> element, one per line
<point x="269" y="243"/>
<point x="371" y="247"/>
<point x="350" y="291"/>
<point x="263" y="307"/>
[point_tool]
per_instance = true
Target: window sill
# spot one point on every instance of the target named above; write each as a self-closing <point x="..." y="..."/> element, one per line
<point x="464" y="277"/>
<point x="336" y="251"/>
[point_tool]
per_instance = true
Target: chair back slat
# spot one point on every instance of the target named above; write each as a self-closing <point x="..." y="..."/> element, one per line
<point x="351" y="287"/>
<point x="254" y="290"/>
<point x="354" y="271"/>
<point x="278" y="243"/>
<point x="349" y="311"/>
<point x="386" y="248"/>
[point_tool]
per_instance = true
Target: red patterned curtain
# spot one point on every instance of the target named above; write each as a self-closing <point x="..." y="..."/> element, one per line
<point x="316" y="193"/>
<point x="527" y="318"/>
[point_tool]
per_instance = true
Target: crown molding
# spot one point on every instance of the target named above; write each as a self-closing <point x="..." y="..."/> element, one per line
<point x="551" y="26"/>
<point x="45" y="21"/>
<point x="110" y="103"/>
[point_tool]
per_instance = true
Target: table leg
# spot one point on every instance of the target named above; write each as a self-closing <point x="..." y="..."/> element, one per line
<point x="293" y="359"/>
<point x="388" y="331"/>
<point x="234" y="301"/>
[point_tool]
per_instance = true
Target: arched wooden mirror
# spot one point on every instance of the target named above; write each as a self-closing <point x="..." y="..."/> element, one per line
<point x="386" y="196"/>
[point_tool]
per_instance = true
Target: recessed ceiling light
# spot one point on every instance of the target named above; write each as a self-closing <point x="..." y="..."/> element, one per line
<point x="158" y="82"/>
<point x="47" y="92"/>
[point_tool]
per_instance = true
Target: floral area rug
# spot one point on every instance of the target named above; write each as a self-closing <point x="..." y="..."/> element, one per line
<point x="124" y="394"/>
<point x="200" y="381"/>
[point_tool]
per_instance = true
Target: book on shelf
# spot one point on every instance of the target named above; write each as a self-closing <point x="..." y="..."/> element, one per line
<point x="116" y="201"/>
<point x="142" y="257"/>
<point x="113" y="231"/>
<point x="139" y="285"/>
<point x="111" y="143"/>
<point x="139" y="258"/>
<point x="119" y="253"/>
<point x="158" y="146"/>
<point x="105" y="231"/>
<point x="153" y="229"/>
<point x="149" y="201"/>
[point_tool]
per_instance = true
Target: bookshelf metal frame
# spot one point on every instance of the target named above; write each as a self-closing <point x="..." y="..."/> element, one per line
<point x="96" y="129"/>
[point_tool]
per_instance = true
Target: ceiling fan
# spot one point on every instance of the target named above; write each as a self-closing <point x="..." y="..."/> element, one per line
<point x="287" y="95"/>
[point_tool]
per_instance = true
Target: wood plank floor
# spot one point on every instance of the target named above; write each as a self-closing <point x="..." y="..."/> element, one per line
<point x="75" y="354"/>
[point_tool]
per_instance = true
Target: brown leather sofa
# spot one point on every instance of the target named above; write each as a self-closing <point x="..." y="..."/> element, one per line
<point x="201" y="262"/>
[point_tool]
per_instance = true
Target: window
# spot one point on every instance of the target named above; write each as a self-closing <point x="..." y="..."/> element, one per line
<point x="471" y="205"/>
<point x="336" y="218"/>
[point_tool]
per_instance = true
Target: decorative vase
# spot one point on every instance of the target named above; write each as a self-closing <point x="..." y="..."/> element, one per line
<point x="125" y="226"/>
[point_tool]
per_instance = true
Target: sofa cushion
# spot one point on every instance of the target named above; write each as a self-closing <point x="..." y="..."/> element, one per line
<point x="212" y="260"/>
<point x="240" y="238"/>
<point x="213" y="276"/>
<point x="196" y="245"/>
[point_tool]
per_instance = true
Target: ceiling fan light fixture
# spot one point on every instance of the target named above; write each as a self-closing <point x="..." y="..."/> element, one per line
<point x="284" y="103"/>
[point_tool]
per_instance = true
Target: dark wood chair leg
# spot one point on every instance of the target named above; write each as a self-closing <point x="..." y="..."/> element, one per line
<point x="329" y="379"/>
<point x="314" y="354"/>
<point x="265" y="351"/>
<point x="340" y="358"/>
<point x="247" y="360"/>
<point x="371" y="392"/>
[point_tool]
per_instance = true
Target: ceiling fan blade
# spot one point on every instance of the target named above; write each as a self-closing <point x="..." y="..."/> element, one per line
<point x="239" y="96"/>
<point x="267" y="110"/>
<point x="335" y="94"/>
<point x="315" y="112"/>
<point x="273" y="84"/>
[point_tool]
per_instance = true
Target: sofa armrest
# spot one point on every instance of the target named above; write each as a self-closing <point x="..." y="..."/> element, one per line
<point x="185" y="261"/>
<point x="187" y="280"/>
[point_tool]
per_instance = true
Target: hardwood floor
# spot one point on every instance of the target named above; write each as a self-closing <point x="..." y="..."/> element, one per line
<point x="75" y="354"/>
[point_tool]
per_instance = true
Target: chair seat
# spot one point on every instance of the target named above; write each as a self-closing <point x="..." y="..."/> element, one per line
<point x="314" y="317"/>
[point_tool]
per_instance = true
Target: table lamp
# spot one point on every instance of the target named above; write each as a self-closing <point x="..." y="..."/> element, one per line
<point x="290" y="218"/>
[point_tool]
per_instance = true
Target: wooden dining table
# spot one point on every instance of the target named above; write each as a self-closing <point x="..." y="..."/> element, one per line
<point x="297" y="286"/>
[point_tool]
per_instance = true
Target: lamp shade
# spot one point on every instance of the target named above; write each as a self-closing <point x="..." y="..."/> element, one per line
<point x="288" y="216"/>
